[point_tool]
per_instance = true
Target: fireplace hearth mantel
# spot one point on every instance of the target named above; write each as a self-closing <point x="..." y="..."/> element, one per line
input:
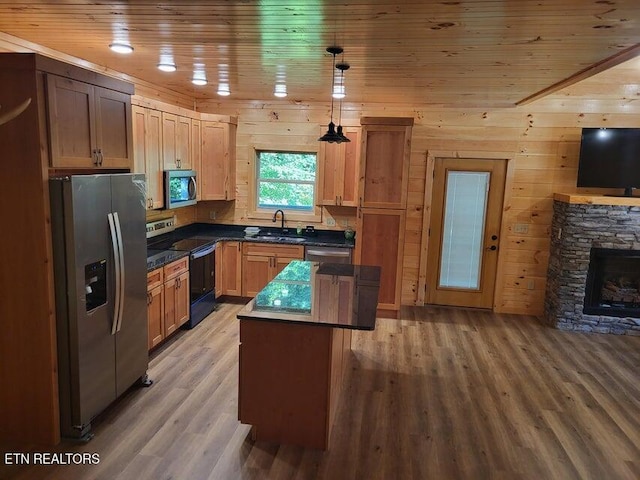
<point x="581" y="199"/>
<point x="580" y="223"/>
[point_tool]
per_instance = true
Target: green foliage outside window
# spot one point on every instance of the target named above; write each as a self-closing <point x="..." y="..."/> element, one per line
<point x="286" y="180"/>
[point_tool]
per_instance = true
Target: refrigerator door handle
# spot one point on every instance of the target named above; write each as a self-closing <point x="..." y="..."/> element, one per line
<point x="116" y="261"/>
<point x="122" y="270"/>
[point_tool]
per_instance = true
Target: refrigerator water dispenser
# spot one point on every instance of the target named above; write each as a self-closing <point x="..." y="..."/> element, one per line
<point x="95" y="284"/>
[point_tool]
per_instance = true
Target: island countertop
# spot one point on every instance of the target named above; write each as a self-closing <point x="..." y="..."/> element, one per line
<point x="322" y="294"/>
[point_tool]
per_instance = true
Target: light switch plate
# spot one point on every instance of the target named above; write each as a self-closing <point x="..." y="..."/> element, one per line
<point x="521" y="228"/>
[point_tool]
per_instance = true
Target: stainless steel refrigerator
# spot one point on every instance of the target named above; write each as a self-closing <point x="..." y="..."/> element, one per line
<point x="99" y="246"/>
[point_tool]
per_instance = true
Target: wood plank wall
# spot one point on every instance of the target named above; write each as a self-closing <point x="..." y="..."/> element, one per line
<point x="543" y="138"/>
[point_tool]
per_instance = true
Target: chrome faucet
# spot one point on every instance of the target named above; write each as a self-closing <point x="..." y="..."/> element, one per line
<point x="275" y="215"/>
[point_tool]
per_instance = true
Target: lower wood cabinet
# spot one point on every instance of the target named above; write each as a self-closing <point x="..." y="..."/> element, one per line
<point x="155" y="306"/>
<point x="261" y="262"/>
<point x="380" y="241"/>
<point x="229" y="269"/>
<point x="167" y="300"/>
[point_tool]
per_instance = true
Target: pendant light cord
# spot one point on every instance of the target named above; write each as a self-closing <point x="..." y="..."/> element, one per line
<point x="333" y="83"/>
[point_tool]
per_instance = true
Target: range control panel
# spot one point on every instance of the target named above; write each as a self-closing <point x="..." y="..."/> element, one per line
<point x="159" y="227"/>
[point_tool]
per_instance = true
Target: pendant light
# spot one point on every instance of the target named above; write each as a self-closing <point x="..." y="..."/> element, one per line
<point x="342" y="66"/>
<point x="331" y="136"/>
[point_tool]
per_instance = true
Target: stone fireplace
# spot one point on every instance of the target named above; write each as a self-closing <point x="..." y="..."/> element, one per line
<point x="593" y="280"/>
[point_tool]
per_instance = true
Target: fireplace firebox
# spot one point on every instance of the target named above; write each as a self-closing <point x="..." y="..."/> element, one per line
<point x="613" y="283"/>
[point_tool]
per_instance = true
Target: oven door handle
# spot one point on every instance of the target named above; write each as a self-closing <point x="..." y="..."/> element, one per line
<point x="203" y="252"/>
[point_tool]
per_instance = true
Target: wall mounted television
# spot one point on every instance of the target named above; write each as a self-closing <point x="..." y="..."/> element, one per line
<point x="610" y="158"/>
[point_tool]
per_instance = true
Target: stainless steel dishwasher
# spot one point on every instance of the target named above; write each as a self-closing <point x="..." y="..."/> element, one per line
<point x="328" y="254"/>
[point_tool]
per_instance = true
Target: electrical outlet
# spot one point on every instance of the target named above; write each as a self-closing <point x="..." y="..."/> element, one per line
<point x="345" y="223"/>
<point x="331" y="222"/>
<point x="521" y="228"/>
<point x="212" y="215"/>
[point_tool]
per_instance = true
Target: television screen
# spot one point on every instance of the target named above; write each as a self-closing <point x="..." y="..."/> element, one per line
<point x="610" y="158"/>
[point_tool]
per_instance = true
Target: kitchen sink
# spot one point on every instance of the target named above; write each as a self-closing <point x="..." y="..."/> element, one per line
<point x="281" y="238"/>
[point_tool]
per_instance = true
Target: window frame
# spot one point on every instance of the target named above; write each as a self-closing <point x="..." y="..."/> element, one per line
<point x="291" y="214"/>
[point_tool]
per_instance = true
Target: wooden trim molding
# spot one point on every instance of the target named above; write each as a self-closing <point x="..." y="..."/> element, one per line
<point x="591" y="70"/>
<point x="398" y="121"/>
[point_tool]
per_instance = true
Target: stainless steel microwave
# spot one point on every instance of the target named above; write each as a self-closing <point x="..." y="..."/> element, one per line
<point x="180" y="188"/>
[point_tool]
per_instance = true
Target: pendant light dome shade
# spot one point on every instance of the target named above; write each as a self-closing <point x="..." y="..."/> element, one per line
<point x="332" y="136"/>
<point x="343" y="137"/>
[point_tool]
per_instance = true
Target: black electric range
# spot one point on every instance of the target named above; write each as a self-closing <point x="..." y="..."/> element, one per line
<point x="186" y="244"/>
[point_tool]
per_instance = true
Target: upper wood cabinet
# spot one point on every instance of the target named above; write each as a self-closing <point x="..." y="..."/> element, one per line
<point x="147" y="152"/>
<point x="176" y="142"/>
<point x="384" y="162"/>
<point x="89" y="126"/>
<point x="218" y="165"/>
<point x="338" y="170"/>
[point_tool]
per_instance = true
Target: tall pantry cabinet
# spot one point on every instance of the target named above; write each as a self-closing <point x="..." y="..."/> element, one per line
<point x="382" y="204"/>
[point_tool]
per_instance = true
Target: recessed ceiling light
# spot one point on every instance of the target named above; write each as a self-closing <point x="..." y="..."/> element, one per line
<point x="167" y="67"/>
<point x="280" y="91"/>
<point x="223" y="90"/>
<point x="121" y="47"/>
<point x="199" y="81"/>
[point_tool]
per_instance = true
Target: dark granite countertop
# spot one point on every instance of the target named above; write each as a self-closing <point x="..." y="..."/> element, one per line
<point x="321" y="294"/>
<point x="160" y="258"/>
<point x="218" y="233"/>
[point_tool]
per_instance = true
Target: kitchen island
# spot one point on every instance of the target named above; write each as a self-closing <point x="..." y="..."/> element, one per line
<point x="295" y="338"/>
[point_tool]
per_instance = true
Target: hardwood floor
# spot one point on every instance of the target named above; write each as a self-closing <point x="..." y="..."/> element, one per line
<point x="440" y="394"/>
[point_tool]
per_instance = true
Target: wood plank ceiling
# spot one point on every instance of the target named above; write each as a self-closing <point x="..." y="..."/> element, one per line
<point x="482" y="53"/>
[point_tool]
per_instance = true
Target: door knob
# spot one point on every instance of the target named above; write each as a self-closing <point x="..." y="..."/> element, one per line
<point x="493" y="247"/>
<point x="494" y="237"/>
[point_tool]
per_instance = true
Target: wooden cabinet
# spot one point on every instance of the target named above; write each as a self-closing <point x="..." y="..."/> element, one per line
<point x="176" y="295"/>
<point x="261" y="262"/>
<point x="333" y="299"/>
<point x="229" y="269"/>
<point x="155" y="306"/>
<point x="384" y="162"/>
<point x="89" y="126"/>
<point x="384" y="177"/>
<point x="380" y="241"/>
<point x="290" y="380"/>
<point x="147" y="152"/>
<point x="338" y="166"/>
<point x="167" y="300"/>
<point x="218" y="165"/>
<point x="176" y="141"/>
